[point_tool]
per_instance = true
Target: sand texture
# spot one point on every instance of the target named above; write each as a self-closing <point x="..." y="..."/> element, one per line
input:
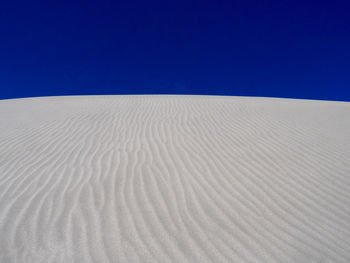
<point x="174" y="179"/>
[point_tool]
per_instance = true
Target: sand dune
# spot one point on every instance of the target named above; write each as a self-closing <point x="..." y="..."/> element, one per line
<point x="174" y="179"/>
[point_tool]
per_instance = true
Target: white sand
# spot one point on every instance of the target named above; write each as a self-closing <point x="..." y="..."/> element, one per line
<point x="174" y="179"/>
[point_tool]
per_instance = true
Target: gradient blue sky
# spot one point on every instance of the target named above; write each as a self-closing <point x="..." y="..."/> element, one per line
<point x="294" y="49"/>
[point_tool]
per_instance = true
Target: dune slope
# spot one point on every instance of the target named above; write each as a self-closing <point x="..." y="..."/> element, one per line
<point x="174" y="179"/>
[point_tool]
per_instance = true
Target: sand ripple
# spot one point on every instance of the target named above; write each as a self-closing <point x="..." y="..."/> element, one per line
<point x="174" y="179"/>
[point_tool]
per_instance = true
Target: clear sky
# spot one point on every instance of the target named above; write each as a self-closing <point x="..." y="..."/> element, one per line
<point x="294" y="49"/>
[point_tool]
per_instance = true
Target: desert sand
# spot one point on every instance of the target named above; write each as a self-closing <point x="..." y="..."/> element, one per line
<point x="174" y="179"/>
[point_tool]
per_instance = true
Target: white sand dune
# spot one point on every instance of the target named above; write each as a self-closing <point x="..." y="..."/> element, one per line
<point x="174" y="179"/>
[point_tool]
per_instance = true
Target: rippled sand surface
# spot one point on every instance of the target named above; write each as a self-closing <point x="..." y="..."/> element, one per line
<point x="174" y="179"/>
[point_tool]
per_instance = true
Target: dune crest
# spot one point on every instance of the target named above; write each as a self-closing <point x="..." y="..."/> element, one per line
<point x="174" y="179"/>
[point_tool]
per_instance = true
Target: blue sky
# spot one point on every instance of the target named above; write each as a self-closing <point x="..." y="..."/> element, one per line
<point x="293" y="49"/>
